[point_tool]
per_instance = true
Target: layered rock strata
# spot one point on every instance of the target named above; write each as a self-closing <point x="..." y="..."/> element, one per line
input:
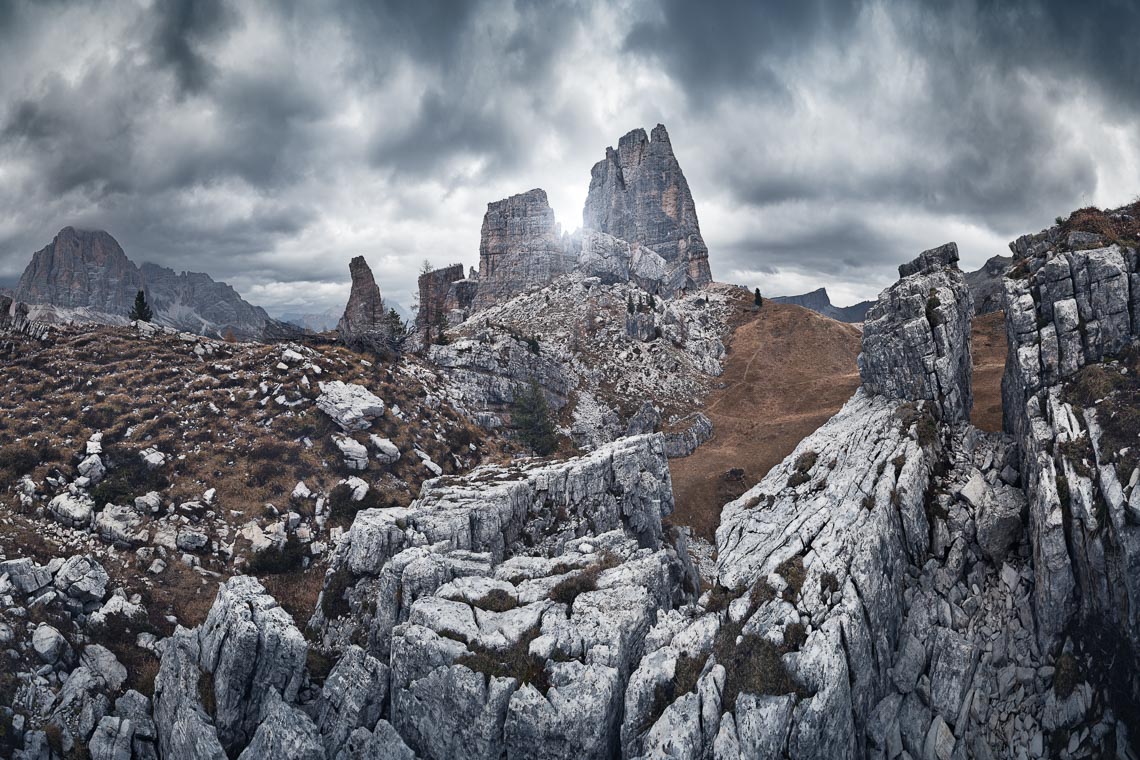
<point x="916" y="338"/>
<point x="1070" y="396"/>
<point x="366" y="325"/>
<point x="639" y="194"/>
<point x="520" y="246"/>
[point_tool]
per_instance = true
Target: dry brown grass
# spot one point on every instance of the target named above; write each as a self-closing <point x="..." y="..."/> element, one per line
<point x="988" y="346"/>
<point x="788" y="370"/>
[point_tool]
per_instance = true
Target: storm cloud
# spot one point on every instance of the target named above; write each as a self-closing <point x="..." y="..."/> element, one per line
<point x="267" y="143"/>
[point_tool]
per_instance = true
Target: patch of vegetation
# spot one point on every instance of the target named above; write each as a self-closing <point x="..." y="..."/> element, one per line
<point x="720" y="597"/>
<point x="515" y="662"/>
<point x="1093" y="383"/>
<point x="1080" y="454"/>
<point x="933" y="316"/>
<point x="533" y="421"/>
<point x="828" y="583"/>
<point x="1123" y="229"/>
<point x="568" y="589"/>
<point x="342" y="507"/>
<point x="1066" y="676"/>
<point x="497" y="600"/>
<point x="19" y="459"/>
<point x="273" y="560"/>
<point x="755" y="665"/>
<point x="334" y="599"/>
<point x="802" y="468"/>
<point x="127" y="476"/>
<point x="899" y="462"/>
<point x="686" y="672"/>
<point x="793" y="572"/>
<point x="868" y="503"/>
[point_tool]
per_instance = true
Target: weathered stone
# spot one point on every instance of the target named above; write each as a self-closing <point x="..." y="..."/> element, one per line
<point x="82" y="578"/>
<point x="916" y="338"/>
<point x="351" y="406"/>
<point x="74" y="510"/>
<point x="639" y="194"/>
<point x="366" y="325"/>
<point x="251" y="647"/>
<point x="520" y="246"/>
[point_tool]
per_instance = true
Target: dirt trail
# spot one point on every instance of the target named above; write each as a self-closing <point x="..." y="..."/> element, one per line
<point x="988" y="346"/>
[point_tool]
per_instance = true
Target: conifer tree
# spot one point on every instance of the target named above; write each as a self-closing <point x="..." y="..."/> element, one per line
<point x="758" y="300"/>
<point x="141" y="312"/>
<point x="531" y="418"/>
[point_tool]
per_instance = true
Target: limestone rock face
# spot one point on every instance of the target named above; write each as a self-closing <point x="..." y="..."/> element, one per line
<point x="639" y="194"/>
<point x="1072" y="302"/>
<point x="482" y="519"/>
<point x="364" y="326"/>
<point x="434" y="288"/>
<point x="81" y="268"/>
<point x="916" y="338"/>
<point x="520" y="246"/>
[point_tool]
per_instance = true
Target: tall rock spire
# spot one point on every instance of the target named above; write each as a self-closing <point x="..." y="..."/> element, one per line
<point x="364" y="326"/>
<point x="638" y="193"/>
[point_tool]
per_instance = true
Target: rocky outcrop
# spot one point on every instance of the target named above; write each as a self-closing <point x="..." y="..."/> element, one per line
<point x="245" y="656"/>
<point x="1072" y="303"/>
<point x="81" y="268"/>
<point x="639" y="194"/>
<point x="916" y="338"/>
<point x="434" y="287"/>
<point x="465" y="527"/>
<point x="819" y="301"/>
<point x="520" y="246"/>
<point x="366" y="325"/>
<point x="86" y="273"/>
<point x="14" y="318"/>
<point x="485" y="372"/>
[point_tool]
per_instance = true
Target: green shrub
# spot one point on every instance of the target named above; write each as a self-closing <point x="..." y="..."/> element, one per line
<point x="802" y="468"/>
<point x="274" y="560"/>
<point x="531" y="418"/>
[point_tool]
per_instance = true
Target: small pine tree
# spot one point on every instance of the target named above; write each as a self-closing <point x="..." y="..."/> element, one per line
<point x="629" y="303"/>
<point x="652" y="303"/>
<point x="141" y="312"/>
<point x="530" y="416"/>
<point x="758" y="300"/>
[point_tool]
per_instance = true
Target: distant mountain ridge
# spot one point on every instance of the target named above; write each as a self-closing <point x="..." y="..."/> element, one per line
<point x="87" y="270"/>
<point x="818" y="301"/>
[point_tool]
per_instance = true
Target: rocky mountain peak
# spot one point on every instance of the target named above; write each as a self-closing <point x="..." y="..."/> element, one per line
<point x="81" y="268"/>
<point x="364" y="325"/>
<point x="87" y="276"/>
<point x="639" y="194"/>
<point x="520" y="246"/>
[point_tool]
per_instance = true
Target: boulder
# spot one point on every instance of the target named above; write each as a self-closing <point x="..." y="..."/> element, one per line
<point x="351" y="406"/>
<point x="72" y="509"/>
<point x="82" y="578"/>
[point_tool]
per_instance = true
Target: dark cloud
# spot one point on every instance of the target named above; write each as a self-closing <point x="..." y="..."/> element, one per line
<point x="268" y="142"/>
<point x="182" y="29"/>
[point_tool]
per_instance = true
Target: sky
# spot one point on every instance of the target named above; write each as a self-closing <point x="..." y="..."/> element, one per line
<point x="267" y="143"/>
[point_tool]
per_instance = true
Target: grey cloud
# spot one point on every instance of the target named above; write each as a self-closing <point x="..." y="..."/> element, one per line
<point x="384" y="128"/>
<point x="182" y="28"/>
